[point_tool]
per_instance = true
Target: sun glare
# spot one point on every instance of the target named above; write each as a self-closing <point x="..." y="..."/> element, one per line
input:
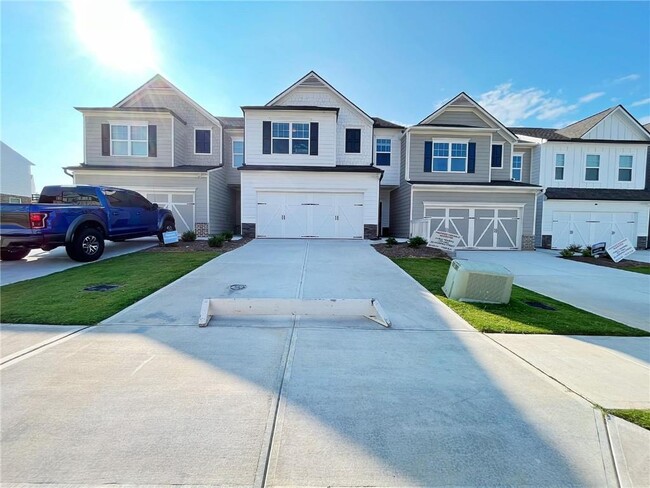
<point x="115" y="34"/>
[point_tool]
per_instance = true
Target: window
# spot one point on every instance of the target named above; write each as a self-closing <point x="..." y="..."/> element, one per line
<point x="383" y="152"/>
<point x="202" y="141"/>
<point x="299" y="138"/>
<point x="559" y="167"/>
<point x="129" y="140"/>
<point x="14" y="200"/>
<point x="450" y="156"/>
<point x="280" y="137"/>
<point x="625" y="168"/>
<point x="353" y="141"/>
<point x="517" y="164"/>
<point x="592" y="171"/>
<point x="71" y="196"/>
<point x="285" y="135"/>
<point x="124" y="199"/>
<point x="497" y="156"/>
<point x="237" y="153"/>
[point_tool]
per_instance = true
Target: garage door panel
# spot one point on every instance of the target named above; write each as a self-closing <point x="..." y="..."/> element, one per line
<point x="507" y="228"/>
<point x="588" y="228"/>
<point x="484" y="227"/>
<point x="180" y="204"/>
<point x="459" y="223"/>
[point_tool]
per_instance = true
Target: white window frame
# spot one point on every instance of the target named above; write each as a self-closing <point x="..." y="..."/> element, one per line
<point x="290" y="138"/>
<point x="630" y="169"/>
<point x="584" y="173"/>
<point x="555" y="166"/>
<point x="14" y="200"/>
<point x="232" y="147"/>
<point x="449" y="142"/>
<point x="194" y="148"/>
<point x="512" y="167"/>
<point x="128" y="140"/>
<point x="502" y="144"/>
<point x="389" y="152"/>
<point x="345" y="138"/>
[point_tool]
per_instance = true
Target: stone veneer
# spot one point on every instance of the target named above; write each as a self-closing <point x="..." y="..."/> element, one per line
<point x="247" y="230"/>
<point x="201" y="230"/>
<point x="528" y="243"/>
<point x="547" y="241"/>
<point x="369" y="231"/>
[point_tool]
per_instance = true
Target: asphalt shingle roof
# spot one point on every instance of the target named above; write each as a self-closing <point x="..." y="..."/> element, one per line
<point x="385" y="124"/>
<point x="232" y="122"/>
<point x="597" y="194"/>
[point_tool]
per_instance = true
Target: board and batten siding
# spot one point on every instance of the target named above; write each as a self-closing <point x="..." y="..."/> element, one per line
<point x="168" y="98"/>
<point x="153" y="183"/>
<point x="575" y="163"/>
<point x="233" y="176"/>
<point x="93" y="137"/>
<point x="221" y="202"/>
<point x="616" y="127"/>
<point x="296" y="181"/>
<point x="466" y="198"/>
<point x="400" y="199"/>
<point x="348" y="117"/>
<point x="416" y="159"/>
<point x="391" y="173"/>
<point x="326" y="137"/>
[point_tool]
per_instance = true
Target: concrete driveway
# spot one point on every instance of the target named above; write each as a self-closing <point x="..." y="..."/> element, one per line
<point x="41" y="263"/>
<point x="293" y="402"/>
<point x="623" y="296"/>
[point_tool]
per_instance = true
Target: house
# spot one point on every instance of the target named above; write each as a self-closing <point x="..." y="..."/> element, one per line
<point x="594" y="173"/>
<point x="16" y="180"/>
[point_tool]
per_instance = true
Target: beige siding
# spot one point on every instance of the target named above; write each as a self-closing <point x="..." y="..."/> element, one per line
<point x="221" y="203"/>
<point x="93" y="137"/>
<point x="400" y="200"/>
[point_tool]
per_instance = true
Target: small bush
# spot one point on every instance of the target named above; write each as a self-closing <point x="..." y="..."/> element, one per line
<point x="188" y="236"/>
<point x="586" y="252"/>
<point x="391" y="241"/>
<point x="216" y="241"/>
<point x="416" y="241"/>
<point x="228" y="235"/>
<point x="575" y="248"/>
<point x="566" y="253"/>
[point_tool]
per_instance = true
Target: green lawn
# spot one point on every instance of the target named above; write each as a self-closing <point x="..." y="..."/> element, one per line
<point x="638" y="269"/>
<point x="638" y="417"/>
<point x="516" y="317"/>
<point x="60" y="298"/>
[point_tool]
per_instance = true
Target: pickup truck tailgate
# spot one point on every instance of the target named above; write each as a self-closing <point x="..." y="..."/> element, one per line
<point x="15" y="217"/>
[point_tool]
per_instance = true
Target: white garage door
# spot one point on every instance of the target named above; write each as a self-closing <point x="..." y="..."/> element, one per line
<point x="587" y="228"/>
<point x="322" y="215"/>
<point x="478" y="227"/>
<point x="180" y="203"/>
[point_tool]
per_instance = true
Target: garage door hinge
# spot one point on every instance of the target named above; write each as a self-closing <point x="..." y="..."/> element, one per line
<point x="260" y="203"/>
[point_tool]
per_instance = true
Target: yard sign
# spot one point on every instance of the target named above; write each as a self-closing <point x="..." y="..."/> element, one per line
<point x="620" y="250"/>
<point x="170" y="237"/>
<point x="446" y="241"/>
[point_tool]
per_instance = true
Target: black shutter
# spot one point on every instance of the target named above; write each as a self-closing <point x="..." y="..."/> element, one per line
<point x="153" y="141"/>
<point x="497" y="154"/>
<point x="106" y="140"/>
<point x="471" y="157"/>
<point x="428" y="150"/>
<point x="266" y="137"/>
<point x="313" y="139"/>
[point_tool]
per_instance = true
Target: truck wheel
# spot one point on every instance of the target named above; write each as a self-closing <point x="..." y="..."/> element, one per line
<point x="8" y="255"/>
<point x="167" y="226"/>
<point x="87" y="245"/>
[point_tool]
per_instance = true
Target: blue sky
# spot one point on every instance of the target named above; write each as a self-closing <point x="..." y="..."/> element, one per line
<point x="542" y="64"/>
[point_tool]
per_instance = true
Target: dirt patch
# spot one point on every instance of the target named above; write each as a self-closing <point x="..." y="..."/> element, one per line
<point x="402" y="250"/>
<point x="194" y="246"/>
<point x="607" y="262"/>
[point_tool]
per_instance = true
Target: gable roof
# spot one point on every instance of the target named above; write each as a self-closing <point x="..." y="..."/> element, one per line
<point x="385" y="124"/>
<point x="463" y="99"/>
<point x="232" y="122"/>
<point x="580" y="128"/>
<point x="131" y="109"/>
<point x="313" y="79"/>
<point x="159" y="81"/>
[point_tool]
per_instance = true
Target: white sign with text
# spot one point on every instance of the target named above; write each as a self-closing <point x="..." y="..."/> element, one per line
<point x="170" y="237"/>
<point x="620" y="250"/>
<point x="445" y="241"/>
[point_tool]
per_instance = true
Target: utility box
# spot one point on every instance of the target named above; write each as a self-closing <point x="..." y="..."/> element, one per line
<point x="471" y="281"/>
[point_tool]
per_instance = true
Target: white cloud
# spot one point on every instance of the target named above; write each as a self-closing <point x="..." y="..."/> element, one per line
<point x="645" y="120"/>
<point x="632" y="77"/>
<point x="590" y="96"/>
<point x="645" y="101"/>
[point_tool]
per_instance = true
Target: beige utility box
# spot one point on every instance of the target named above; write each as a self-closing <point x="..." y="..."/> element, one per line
<point x="471" y="281"/>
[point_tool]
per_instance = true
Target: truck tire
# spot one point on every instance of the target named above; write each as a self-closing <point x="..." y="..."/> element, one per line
<point x="168" y="225"/>
<point x="11" y="255"/>
<point x="87" y="245"/>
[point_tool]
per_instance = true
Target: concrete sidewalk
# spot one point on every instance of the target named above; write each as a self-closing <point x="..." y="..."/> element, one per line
<point x="620" y="295"/>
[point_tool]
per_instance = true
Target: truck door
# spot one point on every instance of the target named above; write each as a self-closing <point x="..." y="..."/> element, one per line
<point x="121" y="212"/>
<point x="145" y="212"/>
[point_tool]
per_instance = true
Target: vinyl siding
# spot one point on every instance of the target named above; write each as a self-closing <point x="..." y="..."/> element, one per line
<point x="535" y="164"/>
<point x="233" y="176"/>
<point x="616" y="126"/>
<point x="538" y="220"/>
<point x="464" y="117"/>
<point x="400" y="200"/>
<point x="525" y="173"/>
<point x="416" y="163"/>
<point x="93" y="136"/>
<point x="15" y="173"/>
<point x="392" y="172"/>
<point x="221" y="203"/>
<point x="503" y="173"/>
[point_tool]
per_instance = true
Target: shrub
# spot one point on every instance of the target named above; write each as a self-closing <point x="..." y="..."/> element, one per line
<point x="188" y="236"/>
<point x="416" y="241"/>
<point x="216" y="241"/>
<point x="586" y="252"/>
<point x="391" y="241"/>
<point x="575" y="248"/>
<point x="228" y="235"/>
<point x="567" y="252"/>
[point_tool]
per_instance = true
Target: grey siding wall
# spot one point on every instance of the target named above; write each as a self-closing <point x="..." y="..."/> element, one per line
<point x="180" y="142"/>
<point x="535" y="164"/>
<point x="221" y="203"/>
<point x="503" y="174"/>
<point x="461" y="118"/>
<point x="93" y="131"/>
<point x="152" y="182"/>
<point x="538" y="220"/>
<point x="416" y="163"/>
<point x="169" y="99"/>
<point x="233" y="175"/>
<point x="462" y="197"/>
<point x="400" y="200"/>
<point x="525" y="173"/>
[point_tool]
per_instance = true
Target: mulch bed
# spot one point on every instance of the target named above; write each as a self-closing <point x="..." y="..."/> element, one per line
<point x="194" y="246"/>
<point x="402" y="250"/>
<point x="607" y="262"/>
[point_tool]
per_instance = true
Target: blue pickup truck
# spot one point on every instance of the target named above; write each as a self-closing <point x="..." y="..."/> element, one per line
<point x="80" y="218"/>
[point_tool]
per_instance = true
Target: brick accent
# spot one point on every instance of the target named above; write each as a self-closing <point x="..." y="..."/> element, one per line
<point x="547" y="241"/>
<point x="528" y="243"/>
<point x="247" y="230"/>
<point x="369" y="231"/>
<point x="641" y="242"/>
<point x="201" y="230"/>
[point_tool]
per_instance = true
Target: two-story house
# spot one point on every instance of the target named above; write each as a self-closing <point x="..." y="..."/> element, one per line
<point x="464" y="172"/>
<point x="594" y="175"/>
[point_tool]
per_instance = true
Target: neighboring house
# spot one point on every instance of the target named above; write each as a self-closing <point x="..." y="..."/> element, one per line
<point x="594" y="174"/>
<point x="16" y="180"/>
